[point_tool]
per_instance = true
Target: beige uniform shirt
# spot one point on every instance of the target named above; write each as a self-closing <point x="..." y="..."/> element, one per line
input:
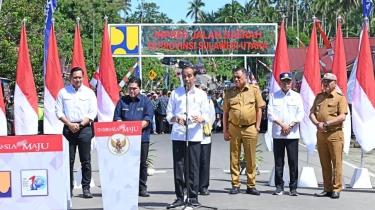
<point x="328" y="106"/>
<point x="242" y="105"/>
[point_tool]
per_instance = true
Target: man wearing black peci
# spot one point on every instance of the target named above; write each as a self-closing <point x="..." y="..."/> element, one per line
<point x="76" y="107"/>
<point x="197" y="111"/>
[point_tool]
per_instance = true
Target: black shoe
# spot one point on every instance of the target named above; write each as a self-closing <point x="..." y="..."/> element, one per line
<point x="335" y="195"/>
<point x="323" y="194"/>
<point x="204" y="191"/>
<point x="144" y="193"/>
<point x="278" y="191"/>
<point x="252" y="191"/>
<point x="234" y="190"/>
<point x="71" y="194"/>
<point x="192" y="202"/>
<point x="178" y="202"/>
<point x="86" y="193"/>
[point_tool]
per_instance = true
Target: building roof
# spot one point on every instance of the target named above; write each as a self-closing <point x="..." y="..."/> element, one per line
<point x="297" y="56"/>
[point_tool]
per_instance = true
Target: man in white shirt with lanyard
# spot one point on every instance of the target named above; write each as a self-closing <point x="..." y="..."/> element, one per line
<point x="285" y="111"/>
<point x="76" y="107"/>
<point x="197" y="116"/>
<point x="205" y="157"/>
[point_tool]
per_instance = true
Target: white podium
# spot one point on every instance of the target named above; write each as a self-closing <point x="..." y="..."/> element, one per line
<point x="119" y="148"/>
<point x="35" y="170"/>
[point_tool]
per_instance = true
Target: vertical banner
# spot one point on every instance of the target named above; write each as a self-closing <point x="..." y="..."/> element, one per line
<point x="118" y="147"/>
<point x="31" y="172"/>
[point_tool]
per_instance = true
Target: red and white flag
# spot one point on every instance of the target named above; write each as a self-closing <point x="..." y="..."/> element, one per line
<point x="363" y="104"/>
<point x="311" y="86"/>
<point x="280" y="65"/>
<point x="25" y="97"/>
<point x="107" y="89"/>
<point x="53" y="84"/>
<point x="94" y="79"/>
<point x="339" y="69"/>
<point x="127" y="76"/>
<point x="253" y="80"/>
<point x="158" y="83"/>
<point x="3" y="119"/>
<point x="78" y="59"/>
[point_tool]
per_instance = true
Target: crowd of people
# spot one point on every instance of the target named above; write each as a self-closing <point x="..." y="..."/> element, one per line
<point x="159" y="100"/>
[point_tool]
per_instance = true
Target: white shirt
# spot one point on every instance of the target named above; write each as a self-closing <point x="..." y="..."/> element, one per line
<point x="287" y="108"/>
<point x="197" y="105"/>
<point x="74" y="105"/>
<point x="207" y="139"/>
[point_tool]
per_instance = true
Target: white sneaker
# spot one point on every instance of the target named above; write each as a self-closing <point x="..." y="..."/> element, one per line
<point x="278" y="192"/>
<point x="293" y="193"/>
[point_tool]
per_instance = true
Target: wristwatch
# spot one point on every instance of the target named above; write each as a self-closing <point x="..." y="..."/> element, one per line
<point x="325" y="124"/>
<point x="80" y="126"/>
<point x="290" y="125"/>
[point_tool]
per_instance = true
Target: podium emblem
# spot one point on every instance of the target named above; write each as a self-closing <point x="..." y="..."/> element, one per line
<point x="118" y="144"/>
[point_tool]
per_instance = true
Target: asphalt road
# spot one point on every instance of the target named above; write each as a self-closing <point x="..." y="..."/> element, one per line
<point x="161" y="186"/>
<point x="204" y="77"/>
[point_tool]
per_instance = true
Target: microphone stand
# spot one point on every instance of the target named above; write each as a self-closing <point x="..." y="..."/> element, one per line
<point x="187" y="157"/>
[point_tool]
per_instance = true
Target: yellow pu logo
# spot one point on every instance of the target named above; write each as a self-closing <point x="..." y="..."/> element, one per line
<point x="124" y="40"/>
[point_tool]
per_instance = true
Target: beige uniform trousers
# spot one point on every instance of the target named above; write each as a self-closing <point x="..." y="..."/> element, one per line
<point x="248" y="137"/>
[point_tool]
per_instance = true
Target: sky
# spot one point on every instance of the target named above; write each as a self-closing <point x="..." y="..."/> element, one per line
<point x="177" y="9"/>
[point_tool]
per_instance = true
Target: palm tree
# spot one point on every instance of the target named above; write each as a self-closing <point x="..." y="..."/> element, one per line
<point x="209" y="17"/>
<point x="231" y="13"/>
<point x="195" y="11"/>
<point x="163" y="18"/>
<point x="125" y="10"/>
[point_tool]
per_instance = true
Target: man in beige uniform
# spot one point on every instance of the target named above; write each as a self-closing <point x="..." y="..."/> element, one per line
<point x="243" y="114"/>
<point x="328" y="114"/>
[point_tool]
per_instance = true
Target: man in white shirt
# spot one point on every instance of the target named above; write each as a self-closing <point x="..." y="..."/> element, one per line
<point x="285" y="110"/>
<point x="197" y="111"/>
<point x="76" y="107"/>
<point x="205" y="157"/>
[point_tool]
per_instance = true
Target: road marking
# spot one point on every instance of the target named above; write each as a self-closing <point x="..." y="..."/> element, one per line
<point x="346" y="163"/>
<point x="160" y="172"/>
<point x="261" y="171"/>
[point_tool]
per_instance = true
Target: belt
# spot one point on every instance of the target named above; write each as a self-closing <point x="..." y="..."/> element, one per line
<point x="338" y="129"/>
<point x="242" y="126"/>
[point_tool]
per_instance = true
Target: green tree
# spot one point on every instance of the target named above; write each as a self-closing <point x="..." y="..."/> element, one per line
<point x="195" y="11"/>
<point x="231" y="13"/>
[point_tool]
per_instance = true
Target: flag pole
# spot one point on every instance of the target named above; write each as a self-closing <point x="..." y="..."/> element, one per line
<point x="245" y="62"/>
<point x="361" y="165"/>
<point x="308" y="154"/>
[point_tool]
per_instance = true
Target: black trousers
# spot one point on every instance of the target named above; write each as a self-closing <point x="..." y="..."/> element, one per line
<point x="161" y="123"/>
<point x="204" y="166"/>
<point x="82" y="140"/>
<point x="179" y="168"/>
<point x="143" y="166"/>
<point x="10" y="127"/>
<point x="291" y="146"/>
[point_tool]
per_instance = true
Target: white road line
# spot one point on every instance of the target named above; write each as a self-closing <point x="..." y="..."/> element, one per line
<point x="346" y="163"/>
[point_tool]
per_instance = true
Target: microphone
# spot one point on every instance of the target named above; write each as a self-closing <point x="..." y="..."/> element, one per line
<point x="186" y="86"/>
